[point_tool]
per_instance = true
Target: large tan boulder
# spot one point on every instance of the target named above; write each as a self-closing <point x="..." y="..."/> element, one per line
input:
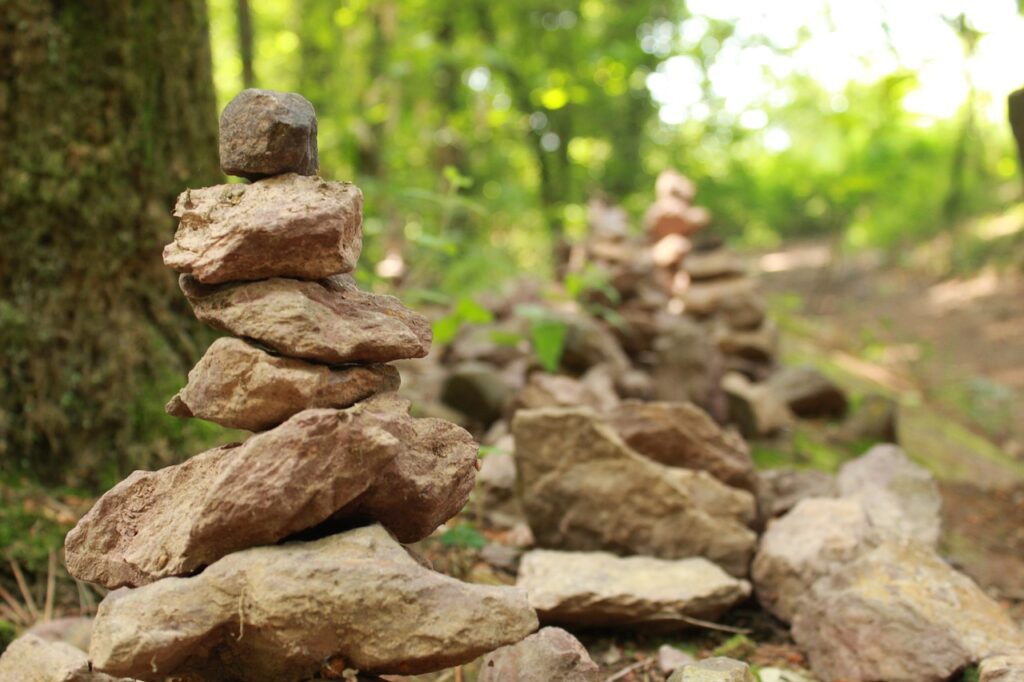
<point x="329" y="320"/>
<point x="900" y="614"/>
<point x="583" y="488"/>
<point x="597" y="589"/>
<point x="320" y="465"/>
<point x="31" y="658"/>
<point x="683" y="435"/>
<point x="818" y="537"/>
<point x="283" y="613"/>
<point x="287" y="226"/>
<point x="237" y="385"/>
<point x="548" y="655"/>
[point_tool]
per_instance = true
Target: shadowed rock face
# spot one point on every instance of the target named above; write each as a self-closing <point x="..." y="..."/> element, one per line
<point x="328" y="321"/>
<point x="900" y="613"/>
<point x="320" y="465"/>
<point x="352" y="600"/>
<point x="583" y="488"/>
<point x="240" y="386"/>
<point x="286" y="226"/>
<point x="264" y="132"/>
<point x="597" y="589"/>
<point x="551" y="654"/>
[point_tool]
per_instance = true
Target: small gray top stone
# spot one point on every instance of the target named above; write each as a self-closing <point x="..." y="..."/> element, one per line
<point x="264" y="133"/>
<point x="717" y="669"/>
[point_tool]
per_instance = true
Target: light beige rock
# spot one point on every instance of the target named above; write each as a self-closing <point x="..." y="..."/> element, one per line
<point x="683" y="435"/>
<point x="900" y="497"/>
<point x="671" y="182"/>
<point x="671" y="659"/>
<point x="817" y="538"/>
<point x="319" y="465"/>
<point x="1002" y="669"/>
<point x="31" y="658"/>
<point x="557" y="390"/>
<point x="717" y="669"/>
<point x="327" y="321"/>
<point x="550" y="654"/>
<point x="73" y="630"/>
<point x="287" y="226"/>
<point x="714" y="264"/>
<point x="900" y="614"/>
<point x="275" y="614"/>
<point x="736" y="299"/>
<point x="597" y="589"/>
<point x="572" y="465"/>
<point x="755" y="408"/>
<point x="240" y="386"/>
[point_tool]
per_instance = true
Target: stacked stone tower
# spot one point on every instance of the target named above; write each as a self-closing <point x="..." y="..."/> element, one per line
<point x="279" y="558"/>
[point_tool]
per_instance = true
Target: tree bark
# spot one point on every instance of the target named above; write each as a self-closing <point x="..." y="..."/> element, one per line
<point x="1015" y="111"/>
<point x="107" y="112"/>
<point x="245" y="43"/>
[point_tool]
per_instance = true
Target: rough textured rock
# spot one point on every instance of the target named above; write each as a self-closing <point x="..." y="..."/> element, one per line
<point x="264" y="132"/>
<point x="817" y="538"/>
<point x="683" y="435"/>
<point x="589" y="344"/>
<point x="779" y="490"/>
<point x="288" y="226"/>
<point x="478" y="390"/>
<point x="688" y="365"/>
<point x="240" y="386"/>
<point x="556" y="390"/>
<point x="718" y="669"/>
<point x="671" y="659"/>
<point x="327" y="321"/>
<point x="1002" y="669"/>
<point x="272" y="614"/>
<point x="755" y="408"/>
<point x="73" y="630"/>
<point x="597" y="589"/>
<point x="736" y="299"/>
<point x="935" y="620"/>
<point x="808" y="392"/>
<point x="319" y="465"/>
<point x="900" y="497"/>
<point x="34" y="659"/>
<point x="570" y="464"/>
<point x="713" y="264"/>
<point x="551" y="654"/>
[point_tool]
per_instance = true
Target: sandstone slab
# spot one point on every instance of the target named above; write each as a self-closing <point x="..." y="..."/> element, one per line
<point x="321" y="465"/>
<point x="286" y="226"/>
<point x="900" y="497"/>
<point x="597" y="589"/>
<point x="550" y="654"/>
<point x="817" y="538"/>
<point x="31" y="658"/>
<point x="237" y="385"/>
<point x="717" y="669"/>
<point x="571" y="465"/>
<point x="328" y="321"/>
<point x="901" y="614"/>
<point x="264" y="132"/>
<point x="683" y="435"/>
<point x="276" y="614"/>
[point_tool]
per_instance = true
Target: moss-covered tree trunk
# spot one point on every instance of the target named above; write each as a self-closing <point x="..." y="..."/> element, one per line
<point x="107" y="111"/>
<point x="1015" y="112"/>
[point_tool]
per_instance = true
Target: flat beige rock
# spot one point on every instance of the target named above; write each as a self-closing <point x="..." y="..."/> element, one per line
<point x="367" y="462"/>
<point x="286" y="226"/>
<point x="583" y="488"/>
<point x="328" y="321"/>
<point x="597" y="589"/>
<point x="548" y="655"/>
<point x="31" y="658"/>
<point x="289" y="612"/>
<point x="237" y="385"/>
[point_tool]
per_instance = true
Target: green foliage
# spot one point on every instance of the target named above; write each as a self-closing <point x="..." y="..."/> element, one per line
<point x="465" y="311"/>
<point x="547" y="336"/>
<point x="465" y="536"/>
<point x="738" y="646"/>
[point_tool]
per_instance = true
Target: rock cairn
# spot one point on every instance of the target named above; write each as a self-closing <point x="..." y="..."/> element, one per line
<point x="279" y="558"/>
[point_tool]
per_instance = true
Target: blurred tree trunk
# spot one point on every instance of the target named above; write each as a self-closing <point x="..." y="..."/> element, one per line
<point x="107" y="111"/>
<point x="245" y="42"/>
<point x="1015" y="110"/>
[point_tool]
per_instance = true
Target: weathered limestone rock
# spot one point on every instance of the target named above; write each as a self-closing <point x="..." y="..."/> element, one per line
<point x="275" y="614"/>
<point x="808" y="392"/>
<point x="755" y="408"/>
<point x="478" y="390"/>
<point x="263" y="132"/>
<point x="900" y="497"/>
<point x="1002" y="669"/>
<point x="736" y="299"/>
<point x="683" y="435"/>
<point x="327" y="321"/>
<point x="33" y="659"/>
<point x="714" y="264"/>
<point x="817" y="538"/>
<point x="571" y="464"/>
<point x="718" y="669"/>
<point x="286" y="226"/>
<point x="597" y="589"/>
<point x="779" y="490"/>
<point x="900" y="614"/>
<point x="240" y="386"/>
<point x="319" y="465"/>
<point x="557" y="390"/>
<point x="550" y="654"/>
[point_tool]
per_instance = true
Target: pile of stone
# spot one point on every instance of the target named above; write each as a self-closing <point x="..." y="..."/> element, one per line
<point x="279" y="558"/>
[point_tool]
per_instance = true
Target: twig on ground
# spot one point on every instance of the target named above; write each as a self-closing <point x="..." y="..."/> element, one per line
<point x="625" y="671"/>
<point x="715" y="626"/>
